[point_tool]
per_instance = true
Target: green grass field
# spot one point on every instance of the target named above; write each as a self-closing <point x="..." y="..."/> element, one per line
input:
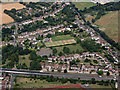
<point x="82" y="5"/>
<point x="39" y="44"/>
<point x="27" y="83"/>
<point x="62" y="37"/>
<point x="60" y="43"/>
<point x="99" y="86"/>
<point x="109" y="24"/>
<point x="26" y="60"/>
<point x="60" y="40"/>
<point x="72" y="48"/>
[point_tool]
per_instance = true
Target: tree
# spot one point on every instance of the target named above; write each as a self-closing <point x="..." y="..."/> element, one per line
<point x="10" y="65"/>
<point x="53" y="60"/>
<point x="24" y="66"/>
<point x="54" y="51"/>
<point x="66" y="50"/>
<point x="59" y="70"/>
<point x="100" y="72"/>
<point x="33" y="55"/>
<point x="13" y="27"/>
<point x="93" y="81"/>
<point x="65" y="71"/>
<point x="34" y="65"/>
<point x="63" y="80"/>
<point x="87" y="60"/>
<point x="95" y="61"/>
<point x="108" y="73"/>
<point x="78" y="60"/>
<point x="60" y="54"/>
<point x="49" y="35"/>
<point x="93" y="20"/>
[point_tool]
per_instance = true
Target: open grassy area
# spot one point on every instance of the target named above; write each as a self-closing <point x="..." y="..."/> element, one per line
<point x="62" y="37"/>
<point x="72" y="48"/>
<point x="37" y="83"/>
<point x="25" y="60"/>
<point x="89" y="18"/>
<point x="82" y="5"/>
<point x="27" y="83"/>
<point x="60" y="41"/>
<point x="39" y="44"/>
<point x="99" y="86"/>
<point x="109" y="24"/>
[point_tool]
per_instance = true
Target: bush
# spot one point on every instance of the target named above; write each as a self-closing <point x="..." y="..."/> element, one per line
<point x="65" y="71"/>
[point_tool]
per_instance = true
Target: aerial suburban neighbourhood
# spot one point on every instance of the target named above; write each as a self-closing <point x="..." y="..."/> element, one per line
<point x="59" y="45"/>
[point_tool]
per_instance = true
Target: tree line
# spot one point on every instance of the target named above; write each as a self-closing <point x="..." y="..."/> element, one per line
<point x="71" y="80"/>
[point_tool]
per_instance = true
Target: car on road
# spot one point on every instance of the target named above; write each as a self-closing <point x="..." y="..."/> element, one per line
<point x="100" y="76"/>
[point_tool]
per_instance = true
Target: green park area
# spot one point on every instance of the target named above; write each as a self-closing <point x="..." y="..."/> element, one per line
<point x="25" y="59"/>
<point x="73" y="48"/>
<point x="22" y="82"/>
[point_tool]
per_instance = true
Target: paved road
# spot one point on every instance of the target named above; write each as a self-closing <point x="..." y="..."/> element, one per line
<point x="60" y="75"/>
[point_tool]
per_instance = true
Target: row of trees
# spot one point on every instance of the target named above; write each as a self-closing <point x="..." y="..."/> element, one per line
<point x="112" y="6"/>
<point x="103" y="35"/>
<point x="71" y="80"/>
<point x="12" y="13"/>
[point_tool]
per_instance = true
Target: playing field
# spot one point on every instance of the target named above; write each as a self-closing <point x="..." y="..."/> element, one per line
<point x="6" y="18"/>
<point x="60" y="43"/>
<point x="62" y="37"/>
<point x="109" y="24"/>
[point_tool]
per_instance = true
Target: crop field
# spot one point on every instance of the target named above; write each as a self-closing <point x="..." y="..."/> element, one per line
<point x="6" y="18"/>
<point x="109" y="24"/>
<point x="60" y="43"/>
<point x="62" y="37"/>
